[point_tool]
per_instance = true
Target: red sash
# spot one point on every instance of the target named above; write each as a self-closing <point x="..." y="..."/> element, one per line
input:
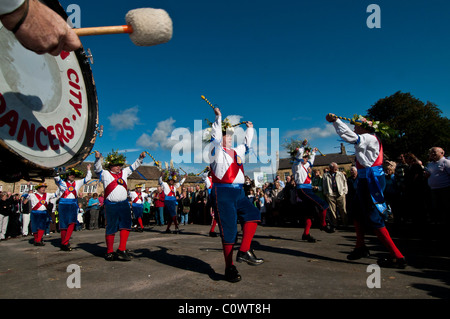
<point x="42" y="201"/>
<point x="138" y="197"/>
<point x="308" y="176"/>
<point x="70" y="190"/>
<point x="172" y="191"/>
<point x="378" y="161"/>
<point x="233" y="170"/>
<point x="116" y="182"/>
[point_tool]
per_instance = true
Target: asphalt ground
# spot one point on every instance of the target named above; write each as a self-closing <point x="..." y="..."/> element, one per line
<point x="180" y="270"/>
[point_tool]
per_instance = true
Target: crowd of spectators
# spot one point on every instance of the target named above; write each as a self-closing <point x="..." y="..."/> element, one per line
<point x="416" y="194"/>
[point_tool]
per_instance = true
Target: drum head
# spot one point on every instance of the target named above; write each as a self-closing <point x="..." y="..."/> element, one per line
<point x="48" y="108"/>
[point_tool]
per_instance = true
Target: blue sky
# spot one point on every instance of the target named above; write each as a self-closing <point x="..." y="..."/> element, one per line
<point x="280" y="64"/>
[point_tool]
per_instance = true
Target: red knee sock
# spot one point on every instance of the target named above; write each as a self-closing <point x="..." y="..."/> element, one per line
<point x="140" y="222"/>
<point x="323" y="216"/>
<point x="109" y="243"/>
<point x="248" y="231"/>
<point x="67" y="235"/>
<point x="359" y="234"/>
<point x="308" y="223"/>
<point x="385" y="238"/>
<point x="228" y="254"/>
<point x="213" y="225"/>
<point x="38" y="236"/>
<point x="123" y="239"/>
<point x="63" y="235"/>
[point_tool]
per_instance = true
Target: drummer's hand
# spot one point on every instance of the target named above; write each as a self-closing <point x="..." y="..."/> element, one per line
<point x="97" y="154"/>
<point x="43" y="30"/>
<point x="88" y="167"/>
<point x="330" y="117"/>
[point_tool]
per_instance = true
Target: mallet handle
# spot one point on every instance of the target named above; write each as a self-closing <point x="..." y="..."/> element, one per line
<point x="104" y="30"/>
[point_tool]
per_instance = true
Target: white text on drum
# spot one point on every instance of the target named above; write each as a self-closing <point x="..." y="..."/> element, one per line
<point x="44" y="137"/>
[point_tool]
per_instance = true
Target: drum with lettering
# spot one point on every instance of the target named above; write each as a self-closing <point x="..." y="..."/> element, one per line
<point x="48" y="109"/>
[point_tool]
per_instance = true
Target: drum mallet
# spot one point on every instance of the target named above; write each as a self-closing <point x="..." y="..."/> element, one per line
<point x="146" y="27"/>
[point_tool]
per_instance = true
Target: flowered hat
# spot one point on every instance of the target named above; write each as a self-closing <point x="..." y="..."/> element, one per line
<point x="114" y="158"/>
<point x="73" y="171"/>
<point x="40" y="185"/>
<point x="372" y="126"/>
<point x="295" y="144"/>
<point x="171" y="173"/>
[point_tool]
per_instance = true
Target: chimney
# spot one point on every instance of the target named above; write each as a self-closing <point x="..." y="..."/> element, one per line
<point x="343" y="151"/>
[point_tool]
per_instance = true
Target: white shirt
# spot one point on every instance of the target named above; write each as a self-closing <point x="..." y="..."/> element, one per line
<point x="78" y="184"/>
<point x="166" y="187"/>
<point x="220" y="160"/>
<point x="34" y="200"/>
<point x="367" y="146"/>
<point x="119" y="194"/>
<point x="134" y="195"/>
<point x="8" y="6"/>
<point x="299" y="169"/>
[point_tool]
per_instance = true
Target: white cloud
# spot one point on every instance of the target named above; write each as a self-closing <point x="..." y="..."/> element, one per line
<point x="160" y="136"/>
<point x="125" y="120"/>
<point x="312" y="133"/>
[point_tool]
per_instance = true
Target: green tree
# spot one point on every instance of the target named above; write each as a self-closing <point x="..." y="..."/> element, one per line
<point x="419" y="125"/>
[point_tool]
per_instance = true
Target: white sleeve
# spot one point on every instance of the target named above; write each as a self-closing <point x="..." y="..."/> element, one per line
<point x="8" y="6"/>
<point x="345" y="132"/>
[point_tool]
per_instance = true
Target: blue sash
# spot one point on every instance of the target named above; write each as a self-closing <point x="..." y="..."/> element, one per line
<point x="376" y="190"/>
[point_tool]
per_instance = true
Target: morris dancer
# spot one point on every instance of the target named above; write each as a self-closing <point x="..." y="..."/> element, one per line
<point x="116" y="206"/>
<point x="137" y="205"/>
<point x="228" y="196"/>
<point x="304" y="160"/>
<point x="68" y="203"/>
<point x="39" y="202"/>
<point x="170" y="191"/>
<point x="371" y="183"/>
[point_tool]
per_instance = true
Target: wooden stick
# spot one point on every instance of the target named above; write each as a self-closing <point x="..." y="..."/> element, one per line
<point x="104" y="30"/>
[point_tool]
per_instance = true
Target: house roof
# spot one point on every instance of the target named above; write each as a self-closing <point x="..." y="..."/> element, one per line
<point x="338" y="158"/>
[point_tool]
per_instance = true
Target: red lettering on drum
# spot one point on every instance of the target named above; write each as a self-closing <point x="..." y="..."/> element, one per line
<point x="69" y="128"/>
<point x="73" y="80"/>
<point x="28" y="131"/>
<point x="52" y="138"/>
<point x="40" y="130"/>
<point x="11" y="119"/>
<point x="2" y="104"/>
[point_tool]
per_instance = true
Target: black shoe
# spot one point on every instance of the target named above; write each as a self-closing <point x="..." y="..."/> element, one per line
<point x="39" y="243"/>
<point x="358" y="253"/>
<point x="168" y="231"/>
<point x="212" y="234"/>
<point x="66" y="247"/>
<point x="328" y="229"/>
<point x="392" y="263"/>
<point x="123" y="255"/>
<point x="249" y="257"/>
<point x="231" y="274"/>
<point x="309" y="238"/>
<point x="110" y="256"/>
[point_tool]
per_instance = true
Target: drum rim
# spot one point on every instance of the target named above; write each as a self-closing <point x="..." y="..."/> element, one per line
<point x="30" y="169"/>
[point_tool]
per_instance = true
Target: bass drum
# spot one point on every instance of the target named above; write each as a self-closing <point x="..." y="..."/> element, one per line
<point x="48" y="109"/>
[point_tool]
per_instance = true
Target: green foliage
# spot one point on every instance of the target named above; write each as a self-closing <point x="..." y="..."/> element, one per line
<point x="418" y="126"/>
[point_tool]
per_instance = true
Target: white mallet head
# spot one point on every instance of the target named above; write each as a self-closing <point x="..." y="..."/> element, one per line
<point x="150" y="26"/>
